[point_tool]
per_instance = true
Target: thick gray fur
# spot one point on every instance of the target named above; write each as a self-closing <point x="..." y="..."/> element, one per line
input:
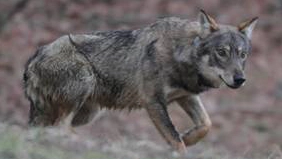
<point x="170" y="60"/>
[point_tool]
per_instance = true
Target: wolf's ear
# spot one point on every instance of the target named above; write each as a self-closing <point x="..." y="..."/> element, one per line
<point x="247" y="27"/>
<point x="207" y="22"/>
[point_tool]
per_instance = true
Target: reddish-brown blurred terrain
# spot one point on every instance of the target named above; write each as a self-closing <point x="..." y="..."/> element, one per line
<point x="245" y="121"/>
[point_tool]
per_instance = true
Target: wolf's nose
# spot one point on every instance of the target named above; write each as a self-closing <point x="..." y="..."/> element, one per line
<point x="239" y="80"/>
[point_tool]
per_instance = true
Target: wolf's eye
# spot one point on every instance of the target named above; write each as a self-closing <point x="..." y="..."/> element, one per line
<point x="221" y="52"/>
<point x="243" y="55"/>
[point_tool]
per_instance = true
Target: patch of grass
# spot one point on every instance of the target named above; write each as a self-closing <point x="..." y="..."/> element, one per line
<point x="21" y="145"/>
<point x="10" y="144"/>
<point x="91" y="155"/>
<point x="17" y="143"/>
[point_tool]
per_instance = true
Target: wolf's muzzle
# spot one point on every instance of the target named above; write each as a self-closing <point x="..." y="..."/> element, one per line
<point x="238" y="80"/>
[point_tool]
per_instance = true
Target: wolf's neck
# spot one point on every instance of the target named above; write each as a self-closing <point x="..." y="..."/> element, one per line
<point x="176" y="28"/>
<point x="183" y="38"/>
<point x="181" y="33"/>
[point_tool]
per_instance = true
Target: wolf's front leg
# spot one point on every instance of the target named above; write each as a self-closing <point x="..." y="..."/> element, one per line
<point x="195" y="109"/>
<point x="159" y="115"/>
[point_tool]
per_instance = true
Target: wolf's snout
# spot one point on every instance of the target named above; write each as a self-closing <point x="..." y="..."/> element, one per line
<point x="238" y="80"/>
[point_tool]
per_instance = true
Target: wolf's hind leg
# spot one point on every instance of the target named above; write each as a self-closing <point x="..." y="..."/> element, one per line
<point x="47" y="114"/>
<point x="195" y="109"/>
<point x="85" y="114"/>
<point x="38" y="117"/>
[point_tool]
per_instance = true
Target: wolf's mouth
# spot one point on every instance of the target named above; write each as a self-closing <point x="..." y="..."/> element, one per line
<point x="229" y="85"/>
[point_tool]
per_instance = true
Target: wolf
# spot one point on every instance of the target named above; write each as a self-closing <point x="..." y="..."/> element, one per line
<point x="171" y="60"/>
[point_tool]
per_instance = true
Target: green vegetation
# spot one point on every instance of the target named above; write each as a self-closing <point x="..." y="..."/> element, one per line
<point x="56" y="143"/>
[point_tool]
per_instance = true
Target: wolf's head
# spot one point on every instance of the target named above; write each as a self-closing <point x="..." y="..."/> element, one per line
<point x="222" y="51"/>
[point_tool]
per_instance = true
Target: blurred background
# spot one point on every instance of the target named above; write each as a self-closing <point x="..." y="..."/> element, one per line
<point x="245" y="121"/>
